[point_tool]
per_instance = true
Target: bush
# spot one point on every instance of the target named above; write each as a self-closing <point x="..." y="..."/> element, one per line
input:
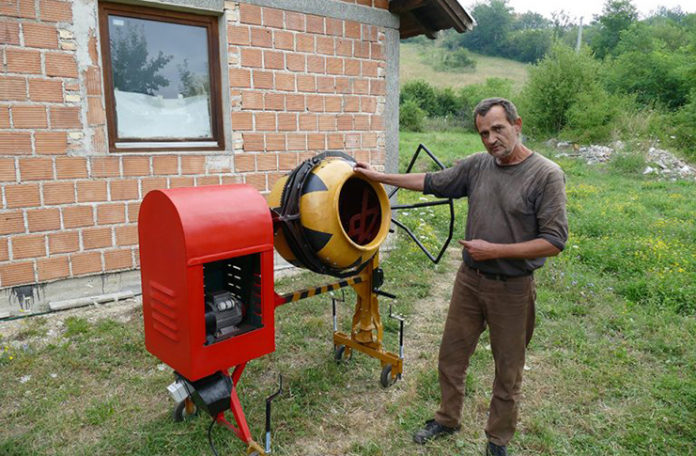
<point x="554" y="86"/>
<point x="411" y="116"/>
<point x="456" y="60"/>
<point x="422" y="94"/>
<point x="593" y="116"/>
<point x="682" y="128"/>
<point x="470" y="96"/>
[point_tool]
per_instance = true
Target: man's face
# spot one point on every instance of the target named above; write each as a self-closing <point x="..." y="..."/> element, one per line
<point x="498" y="135"/>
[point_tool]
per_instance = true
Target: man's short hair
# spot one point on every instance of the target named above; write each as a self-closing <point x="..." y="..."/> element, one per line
<point x="484" y="106"/>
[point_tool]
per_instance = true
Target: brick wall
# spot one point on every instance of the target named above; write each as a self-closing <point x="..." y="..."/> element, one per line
<point x="298" y="84"/>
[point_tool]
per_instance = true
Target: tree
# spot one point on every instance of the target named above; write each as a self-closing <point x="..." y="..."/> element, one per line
<point x="617" y="16"/>
<point x="133" y="71"/>
<point x="494" y="23"/>
<point x="530" y="21"/>
<point x="192" y="84"/>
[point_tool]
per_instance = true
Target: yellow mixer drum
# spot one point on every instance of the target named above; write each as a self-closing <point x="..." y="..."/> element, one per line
<point x="333" y="219"/>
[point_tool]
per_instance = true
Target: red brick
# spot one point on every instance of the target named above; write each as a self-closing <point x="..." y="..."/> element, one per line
<point x="295" y="102"/>
<point x="242" y="121"/>
<point x="63" y="65"/>
<point x="252" y="100"/>
<point x="65" y="117"/>
<point x="11" y="222"/>
<point x="124" y="190"/>
<point x="344" y="85"/>
<point x="308" y="122"/>
<point x="36" y="169"/>
<point x="18" y="8"/>
<point x="304" y="43"/>
<point x="22" y="195"/>
<point x="334" y="27"/>
<point x="88" y="191"/>
<point x="265" y="121"/>
<point x="105" y="167"/>
<point x="253" y="142"/>
<point x="283" y="40"/>
<point x="275" y="142"/>
<point x="352" y="29"/>
<point x="46" y="90"/>
<point x="261" y="38"/>
<point x="17" y="273"/>
<point x="64" y="242"/>
<point x="336" y="141"/>
<point x="176" y="182"/>
<point x="192" y="165"/>
<point x="58" y="192"/>
<point x="258" y="181"/>
<point x="266" y="162"/>
<point x="361" y="122"/>
<point x="306" y="83"/>
<point x="327" y="123"/>
<point x="316" y="141"/>
<point x="326" y="84"/>
<point x="273" y="60"/>
<point x="86" y="263"/>
<point x="316" y="64"/>
<point x="51" y="142"/>
<point x="352" y="67"/>
<point x="53" y="268"/>
<point x="54" y="11"/>
<point x="287" y="121"/>
<point x="4" y="249"/>
<point x="249" y="14"/>
<point x="244" y="163"/>
<point x="287" y="161"/>
<point x="238" y="35"/>
<point x="272" y="18"/>
<point x="92" y="77"/>
<point x="99" y="140"/>
<point x="252" y="58"/>
<point x="128" y="234"/>
<point x="361" y="87"/>
<point x="344" y="47"/>
<point x="77" y="216"/>
<point x="9" y="32"/>
<point x="166" y="164"/>
<point x="96" y="238"/>
<point x="23" y="61"/>
<point x="361" y="50"/>
<point x="7" y="170"/>
<point x="29" y="117"/>
<point x="71" y="167"/>
<point x="13" y="88"/>
<point x="28" y="246"/>
<point x="4" y="117"/>
<point x="334" y="65"/>
<point x="240" y="77"/>
<point x="370" y="69"/>
<point x="118" y="259"/>
<point x="274" y="102"/>
<point x="315" y="103"/>
<point x="285" y="82"/>
<point x="40" y="36"/>
<point x="315" y="24"/>
<point x="333" y="103"/>
<point x="297" y="141"/>
<point x="295" y="21"/>
<point x="297" y="62"/>
<point x="325" y="45"/>
<point x="153" y="183"/>
<point x="136" y="166"/>
<point x="95" y="111"/>
<point x="111" y="213"/>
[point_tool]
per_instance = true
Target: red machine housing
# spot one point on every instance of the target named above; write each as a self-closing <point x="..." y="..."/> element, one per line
<point x="196" y="243"/>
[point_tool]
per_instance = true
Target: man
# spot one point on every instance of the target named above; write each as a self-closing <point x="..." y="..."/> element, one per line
<point x="516" y="219"/>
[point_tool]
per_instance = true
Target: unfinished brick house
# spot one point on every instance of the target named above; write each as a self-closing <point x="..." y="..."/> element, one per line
<point x="101" y="102"/>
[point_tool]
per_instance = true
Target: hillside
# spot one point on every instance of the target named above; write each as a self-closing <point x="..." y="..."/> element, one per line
<point x="412" y="66"/>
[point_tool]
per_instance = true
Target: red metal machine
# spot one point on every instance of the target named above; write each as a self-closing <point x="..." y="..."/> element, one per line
<point x="206" y="257"/>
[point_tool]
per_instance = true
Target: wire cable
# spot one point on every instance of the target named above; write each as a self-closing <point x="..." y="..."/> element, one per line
<point x="210" y="437"/>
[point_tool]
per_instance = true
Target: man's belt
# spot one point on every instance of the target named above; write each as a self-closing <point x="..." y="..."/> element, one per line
<point x="501" y="277"/>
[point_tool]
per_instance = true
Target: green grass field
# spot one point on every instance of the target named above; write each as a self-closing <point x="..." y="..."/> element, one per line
<point x="611" y="368"/>
<point x="413" y="65"/>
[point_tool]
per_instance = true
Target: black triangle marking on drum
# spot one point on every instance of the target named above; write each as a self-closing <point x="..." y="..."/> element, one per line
<point x="317" y="239"/>
<point x="314" y="184"/>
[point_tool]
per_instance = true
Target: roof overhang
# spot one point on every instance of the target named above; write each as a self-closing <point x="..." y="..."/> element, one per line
<point x="426" y="17"/>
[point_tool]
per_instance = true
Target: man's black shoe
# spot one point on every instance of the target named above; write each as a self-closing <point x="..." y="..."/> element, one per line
<point x="495" y="450"/>
<point x="432" y="430"/>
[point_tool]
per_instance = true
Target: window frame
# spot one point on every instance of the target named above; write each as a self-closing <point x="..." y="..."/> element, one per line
<point x="210" y="23"/>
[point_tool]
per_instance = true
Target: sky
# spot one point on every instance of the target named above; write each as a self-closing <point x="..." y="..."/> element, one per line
<point x="589" y="8"/>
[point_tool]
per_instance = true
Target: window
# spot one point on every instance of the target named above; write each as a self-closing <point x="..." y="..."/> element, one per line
<point x="161" y="71"/>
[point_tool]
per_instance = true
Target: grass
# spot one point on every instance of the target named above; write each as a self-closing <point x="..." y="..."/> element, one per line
<point x="611" y="366"/>
<point x="413" y="64"/>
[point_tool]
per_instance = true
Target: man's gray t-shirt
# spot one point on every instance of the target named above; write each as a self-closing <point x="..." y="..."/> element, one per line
<point x="507" y="204"/>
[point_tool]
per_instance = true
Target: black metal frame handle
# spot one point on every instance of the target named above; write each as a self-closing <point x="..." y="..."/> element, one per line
<point x="449" y="201"/>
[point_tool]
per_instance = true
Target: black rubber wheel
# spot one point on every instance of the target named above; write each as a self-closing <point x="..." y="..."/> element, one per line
<point x="386" y="379"/>
<point x="180" y="414"/>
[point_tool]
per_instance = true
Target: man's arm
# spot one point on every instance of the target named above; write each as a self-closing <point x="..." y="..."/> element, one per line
<point x="408" y="181"/>
<point x="481" y="250"/>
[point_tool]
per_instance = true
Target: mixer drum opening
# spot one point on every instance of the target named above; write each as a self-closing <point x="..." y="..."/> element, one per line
<point x="360" y="211"/>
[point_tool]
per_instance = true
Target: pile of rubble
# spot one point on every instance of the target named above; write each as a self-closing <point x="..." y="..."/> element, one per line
<point x="659" y="162"/>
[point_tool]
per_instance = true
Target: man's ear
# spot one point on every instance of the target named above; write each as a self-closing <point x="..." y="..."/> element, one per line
<point x="518" y="125"/>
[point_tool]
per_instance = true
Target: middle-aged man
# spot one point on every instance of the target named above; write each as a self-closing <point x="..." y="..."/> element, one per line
<point x="516" y="219"/>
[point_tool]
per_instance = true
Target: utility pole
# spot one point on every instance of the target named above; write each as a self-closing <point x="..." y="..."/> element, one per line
<point x="579" y="43"/>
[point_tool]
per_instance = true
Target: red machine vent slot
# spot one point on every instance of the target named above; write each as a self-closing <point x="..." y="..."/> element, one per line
<point x="163" y="311"/>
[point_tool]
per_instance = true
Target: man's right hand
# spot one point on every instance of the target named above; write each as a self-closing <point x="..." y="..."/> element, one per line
<point x="366" y="170"/>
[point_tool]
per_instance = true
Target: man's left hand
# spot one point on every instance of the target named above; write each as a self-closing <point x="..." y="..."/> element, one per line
<point x="480" y="250"/>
